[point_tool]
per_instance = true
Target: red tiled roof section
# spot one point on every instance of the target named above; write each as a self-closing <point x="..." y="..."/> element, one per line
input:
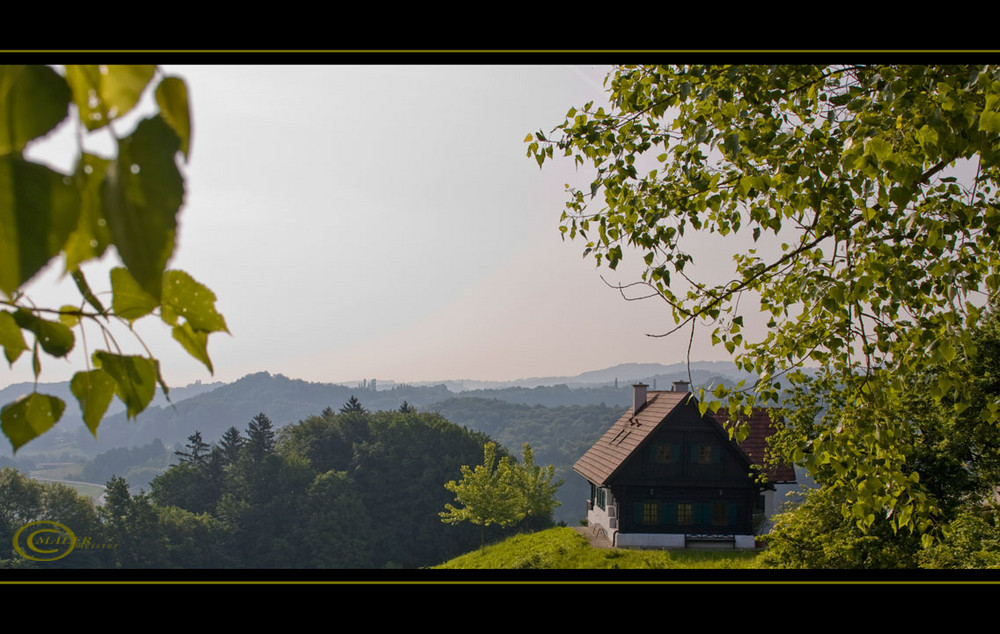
<point x="617" y="444"/>
<point x="755" y="444"/>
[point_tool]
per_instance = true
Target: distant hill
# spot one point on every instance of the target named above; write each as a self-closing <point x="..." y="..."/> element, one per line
<point x="561" y="417"/>
<point x="211" y="408"/>
<point x="624" y="374"/>
<point x="64" y="437"/>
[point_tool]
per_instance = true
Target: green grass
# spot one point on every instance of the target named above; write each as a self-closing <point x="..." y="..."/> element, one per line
<point x="564" y="548"/>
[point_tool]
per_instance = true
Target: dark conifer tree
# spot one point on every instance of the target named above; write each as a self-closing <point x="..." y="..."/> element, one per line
<point x="260" y="434"/>
<point x="353" y="405"/>
<point x="230" y="445"/>
<point x="197" y="450"/>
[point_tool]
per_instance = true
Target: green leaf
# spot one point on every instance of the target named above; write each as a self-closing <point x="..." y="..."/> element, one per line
<point x="105" y="93"/>
<point x="55" y="338"/>
<point x="948" y="352"/>
<point x="11" y="338"/>
<point x="29" y="417"/>
<point x="142" y="194"/>
<point x="93" y="390"/>
<point x="195" y="342"/>
<point x="880" y="147"/>
<point x="927" y="136"/>
<point x="91" y="236"/>
<point x="135" y="379"/>
<point x="69" y="315"/>
<point x="193" y="301"/>
<point x="172" y="97"/>
<point x="33" y="100"/>
<point x="84" y="288"/>
<point x="128" y="299"/>
<point x="989" y="121"/>
<point x="38" y="210"/>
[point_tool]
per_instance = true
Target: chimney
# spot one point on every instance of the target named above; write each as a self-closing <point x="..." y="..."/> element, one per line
<point x="638" y="397"/>
<point x="682" y="386"/>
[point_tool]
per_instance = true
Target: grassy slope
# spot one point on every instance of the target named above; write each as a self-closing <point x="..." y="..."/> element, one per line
<point x="564" y="548"/>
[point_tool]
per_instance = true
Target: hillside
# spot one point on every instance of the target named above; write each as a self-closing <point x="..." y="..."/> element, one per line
<point x="559" y="421"/>
<point x="566" y="549"/>
<point x="212" y="408"/>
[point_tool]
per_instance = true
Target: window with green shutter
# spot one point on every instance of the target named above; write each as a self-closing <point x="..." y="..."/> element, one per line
<point x="650" y="513"/>
<point x="705" y="453"/>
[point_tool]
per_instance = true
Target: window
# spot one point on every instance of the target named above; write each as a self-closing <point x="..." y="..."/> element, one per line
<point x="705" y="453"/>
<point x="650" y="513"/>
<point x="664" y="452"/>
<point x="685" y="513"/>
<point x="720" y="514"/>
<point x="601" y="498"/>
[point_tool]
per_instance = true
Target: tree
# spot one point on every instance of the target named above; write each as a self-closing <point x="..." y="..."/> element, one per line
<point x="129" y="200"/>
<point x="537" y="487"/>
<point x="352" y="406"/>
<point x="503" y="493"/>
<point x="24" y="500"/>
<point x="489" y="494"/>
<point x="197" y="450"/>
<point x="816" y="535"/>
<point x="861" y="202"/>
<point x="131" y="524"/>
<point x="230" y="445"/>
<point x="260" y="437"/>
<point x="953" y="455"/>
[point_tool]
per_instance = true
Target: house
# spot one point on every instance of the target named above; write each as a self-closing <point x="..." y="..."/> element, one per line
<point x="664" y="476"/>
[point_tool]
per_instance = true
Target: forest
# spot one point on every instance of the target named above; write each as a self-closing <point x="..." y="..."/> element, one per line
<point x="346" y="489"/>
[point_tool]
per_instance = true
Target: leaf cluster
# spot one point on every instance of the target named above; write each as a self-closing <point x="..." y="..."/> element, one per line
<point x="502" y="492"/>
<point x="129" y="201"/>
<point x="862" y="198"/>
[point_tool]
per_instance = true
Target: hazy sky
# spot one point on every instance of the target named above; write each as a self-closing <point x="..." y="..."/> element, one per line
<point x="384" y="222"/>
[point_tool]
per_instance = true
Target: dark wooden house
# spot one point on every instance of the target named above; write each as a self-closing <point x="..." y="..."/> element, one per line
<point x="665" y="476"/>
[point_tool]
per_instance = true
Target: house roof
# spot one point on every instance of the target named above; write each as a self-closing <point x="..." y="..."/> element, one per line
<point x="609" y="453"/>
<point x="617" y="444"/>
<point x="755" y="444"/>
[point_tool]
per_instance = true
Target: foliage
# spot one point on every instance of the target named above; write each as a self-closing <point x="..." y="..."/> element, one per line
<point x="231" y="444"/>
<point x="502" y="492"/>
<point x="861" y="204"/>
<point x="24" y="500"/>
<point x="952" y="455"/>
<point x="537" y="487"/>
<point x="331" y="499"/>
<point x="973" y="541"/>
<point x="131" y="523"/>
<point x="129" y="200"/>
<point x="312" y="496"/>
<point x="260" y="436"/>
<point x="197" y="450"/>
<point x="557" y="435"/>
<point x="816" y="534"/>
<point x="398" y="471"/>
<point x="353" y="405"/>
<point x="489" y="494"/>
